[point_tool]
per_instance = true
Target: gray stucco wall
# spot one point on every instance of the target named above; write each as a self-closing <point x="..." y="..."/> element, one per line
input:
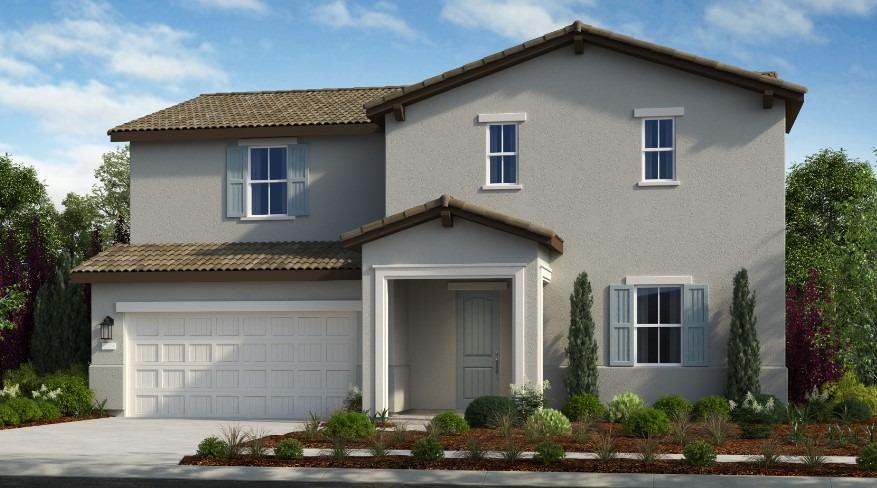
<point x="178" y="192"/>
<point x="580" y="163"/>
<point x="106" y="373"/>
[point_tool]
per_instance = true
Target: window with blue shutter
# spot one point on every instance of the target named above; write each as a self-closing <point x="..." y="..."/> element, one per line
<point x="695" y="325"/>
<point x="235" y="181"/>
<point x="621" y="325"/>
<point x="298" y="173"/>
<point x="267" y="181"/>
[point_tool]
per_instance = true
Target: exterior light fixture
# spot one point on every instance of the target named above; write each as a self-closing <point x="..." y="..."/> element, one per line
<point x="106" y="329"/>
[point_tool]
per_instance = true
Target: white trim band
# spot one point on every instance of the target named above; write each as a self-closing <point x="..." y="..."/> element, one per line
<point x="275" y="141"/>
<point x="659" y="112"/>
<point x="509" y="117"/>
<point x="658" y="280"/>
<point x="241" y="306"/>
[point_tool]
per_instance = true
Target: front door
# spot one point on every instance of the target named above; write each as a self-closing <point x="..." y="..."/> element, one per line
<point x="477" y="345"/>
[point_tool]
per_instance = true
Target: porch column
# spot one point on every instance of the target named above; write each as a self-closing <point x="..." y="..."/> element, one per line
<point x="382" y="368"/>
<point x="518" y="335"/>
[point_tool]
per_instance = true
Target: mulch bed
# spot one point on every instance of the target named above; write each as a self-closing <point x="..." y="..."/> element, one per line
<point x="59" y="420"/>
<point x="569" y="465"/>
<point x="492" y="440"/>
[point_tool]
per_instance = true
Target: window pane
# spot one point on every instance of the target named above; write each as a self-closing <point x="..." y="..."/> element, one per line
<point x="509" y="169"/>
<point x="647" y="345"/>
<point x="671" y="306"/>
<point x="666" y="136"/>
<point x="495" y="138"/>
<point x="651" y="129"/>
<point x="647" y="305"/>
<point x="508" y="138"/>
<point x="666" y="165"/>
<point x="278" y="163"/>
<point x="496" y="169"/>
<point x="259" y="203"/>
<point x="652" y="166"/>
<point x="671" y="344"/>
<point x="259" y="164"/>
<point x="278" y="198"/>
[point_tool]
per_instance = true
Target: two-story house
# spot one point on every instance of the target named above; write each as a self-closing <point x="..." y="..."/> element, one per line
<point x="421" y="242"/>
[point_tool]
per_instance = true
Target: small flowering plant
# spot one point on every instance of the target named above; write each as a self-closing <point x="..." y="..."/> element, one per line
<point x="44" y="393"/>
<point x="10" y="391"/>
<point x="757" y="409"/>
<point x="529" y="397"/>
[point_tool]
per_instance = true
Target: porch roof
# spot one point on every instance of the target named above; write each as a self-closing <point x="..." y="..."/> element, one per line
<point x="447" y="208"/>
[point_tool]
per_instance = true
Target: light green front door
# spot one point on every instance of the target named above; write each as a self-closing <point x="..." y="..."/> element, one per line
<point x="477" y="345"/>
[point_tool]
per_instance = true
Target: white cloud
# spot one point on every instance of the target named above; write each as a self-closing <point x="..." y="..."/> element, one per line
<point x="514" y="19"/>
<point x="756" y="21"/>
<point x="65" y="170"/>
<point x="16" y="68"/>
<point x="381" y="16"/>
<point x="252" y="6"/>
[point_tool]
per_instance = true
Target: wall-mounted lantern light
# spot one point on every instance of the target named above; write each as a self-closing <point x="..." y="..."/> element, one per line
<point x="106" y="329"/>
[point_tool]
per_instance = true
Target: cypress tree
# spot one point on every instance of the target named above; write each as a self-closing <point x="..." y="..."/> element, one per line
<point x="581" y="349"/>
<point x="61" y="334"/>
<point x="121" y="232"/>
<point x="744" y="358"/>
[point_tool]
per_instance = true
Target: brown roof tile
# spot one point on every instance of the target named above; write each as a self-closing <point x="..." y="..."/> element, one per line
<point x="262" y="109"/>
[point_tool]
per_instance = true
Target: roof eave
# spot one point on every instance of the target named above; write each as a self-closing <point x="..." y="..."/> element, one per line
<point x="217" y="133"/>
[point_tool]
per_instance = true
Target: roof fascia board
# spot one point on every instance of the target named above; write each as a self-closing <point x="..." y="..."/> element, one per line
<point x="245" y="132"/>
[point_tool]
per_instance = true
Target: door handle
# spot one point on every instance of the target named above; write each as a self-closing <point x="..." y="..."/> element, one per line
<point x="496" y="362"/>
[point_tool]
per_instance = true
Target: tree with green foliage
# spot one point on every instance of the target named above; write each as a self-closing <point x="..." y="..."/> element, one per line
<point x="62" y="328"/>
<point x="581" y="349"/>
<point x="76" y="223"/>
<point x="744" y="352"/>
<point x="23" y="199"/>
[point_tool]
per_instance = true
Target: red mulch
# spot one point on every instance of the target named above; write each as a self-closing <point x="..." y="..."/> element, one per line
<point x="59" y="420"/>
<point x="569" y="465"/>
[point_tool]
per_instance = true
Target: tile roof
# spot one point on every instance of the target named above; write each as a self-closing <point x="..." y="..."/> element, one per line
<point x="262" y="109"/>
<point x="235" y="256"/>
<point x="455" y="207"/>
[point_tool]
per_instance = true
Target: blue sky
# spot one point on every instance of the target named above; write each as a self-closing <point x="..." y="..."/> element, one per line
<point x="71" y="69"/>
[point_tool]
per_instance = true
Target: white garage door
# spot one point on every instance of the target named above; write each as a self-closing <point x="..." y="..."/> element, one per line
<point x="281" y="365"/>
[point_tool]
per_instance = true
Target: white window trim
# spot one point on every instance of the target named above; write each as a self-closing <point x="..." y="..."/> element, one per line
<point x="636" y="326"/>
<point x="659" y="112"/>
<point x="499" y="118"/>
<point x="658" y="280"/>
<point x="643" y="150"/>
<point x="248" y="197"/>
<point x="272" y="142"/>
<point x="517" y="154"/>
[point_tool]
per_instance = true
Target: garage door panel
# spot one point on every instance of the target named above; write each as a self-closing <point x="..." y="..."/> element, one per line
<point x="282" y="326"/>
<point x="254" y="353"/>
<point x="173" y="353"/>
<point x="200" y="378"/>
<point x="173" y="327"/>
<point x="255" y="326"/>
<point x="146" y="327"/>
<point x="227" y="326"/>
<point x="173" y="379"/>
<point x="199" y="326"/>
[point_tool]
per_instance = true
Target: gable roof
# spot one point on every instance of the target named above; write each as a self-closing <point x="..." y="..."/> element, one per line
<point x="330" y="106"/>
<point x="447" y="208"/>
<point x="580" y="35"/>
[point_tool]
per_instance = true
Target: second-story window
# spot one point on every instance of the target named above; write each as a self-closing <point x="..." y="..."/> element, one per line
<point x="502" y="154"/>
<point x="267" y="181"/>
<point x="659" y="149"/>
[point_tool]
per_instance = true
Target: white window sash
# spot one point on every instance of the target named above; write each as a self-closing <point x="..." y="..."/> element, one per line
<point x="248" y="198"/>
<point x="654" y="326"/>
<point x="503" y="153"/>
<point x="671" y="149"/>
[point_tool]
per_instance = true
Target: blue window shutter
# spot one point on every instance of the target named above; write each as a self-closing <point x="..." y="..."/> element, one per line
<point x="621" y="331"/>
<point x="297" y="173"/>
<point x="235" y="179"/>
<point x="695" y="325"/>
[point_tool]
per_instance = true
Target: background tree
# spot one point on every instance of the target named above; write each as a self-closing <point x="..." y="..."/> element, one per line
<point x="744" y="352"/>
<point x="61" y="335"/>
<point x="76" y="223"/>
<point x="581" y="349"/>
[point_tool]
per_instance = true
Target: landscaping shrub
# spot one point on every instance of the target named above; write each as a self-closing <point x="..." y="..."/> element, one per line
<point x="758" y="409"/>
<point x="581" y="349"/>
<point x="699" y="454"/>
<point x="349" y="425"/>
<point x="76" y="398"/>
<point x="353" y="400"/>
<point x="581" y="407"/>
<point x="25" y="376"/>
<point x="550" y="422"/>
<point x="27" y="409"/>
<point x="673" y="405"/>
<point x="647" y="422"/>
<point x="8" y="416"/>
<point x="623" y="405"/>
<point x="714" y="404"/>
<point x="288" y="449"/>
<point x="849" y="386"/>
<point x="852" y="410"/>
<point x="529" y="397"/>
<point x="549" y="452"/>
<point x="867" y="458"/>
<point x="449" y="423"/>
<point x="483" y="411"/>
<point x="212" y="447"/>
<point x="744" y="358"/>
<point x="427" y="449"/>
<point x="750" y="430"/>
<point x="48" y="410"/>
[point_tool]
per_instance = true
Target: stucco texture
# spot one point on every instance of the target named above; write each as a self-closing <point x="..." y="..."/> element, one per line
<point x="580" y="163"/>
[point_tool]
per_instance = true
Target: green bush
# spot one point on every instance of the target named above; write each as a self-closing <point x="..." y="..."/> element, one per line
<point x="673" y="405"/>
<point x="750" y="430"/>
<point x="449" y="423"/>
<point x="8" y="416"/>
<point x="27" y="409"/>
<point x="759" y="409"/>
<point x="48" y="409"/>
<point x="699" y="454"/>
<point x="483" y="411"/>
<point x="623" y="405"/>
<point x="25" y="376"/>
<point x="647" y="422"/>
<point x="849" y="386"/>
<point x="867" y="458"/>
<point x="427" y="449"/>
<point x="76" y="398"/>
<point x="212" y="447"/>
<point x="549" y="452"/>
<point x="584" y="406"/>
<point x="852" y="410"/>
<point x="551" y="422"/>
<point x="349" y="425"/>
<point x="288" y="448"/>
<point x="712" y="404"/>
<point x="529" y="397"/>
